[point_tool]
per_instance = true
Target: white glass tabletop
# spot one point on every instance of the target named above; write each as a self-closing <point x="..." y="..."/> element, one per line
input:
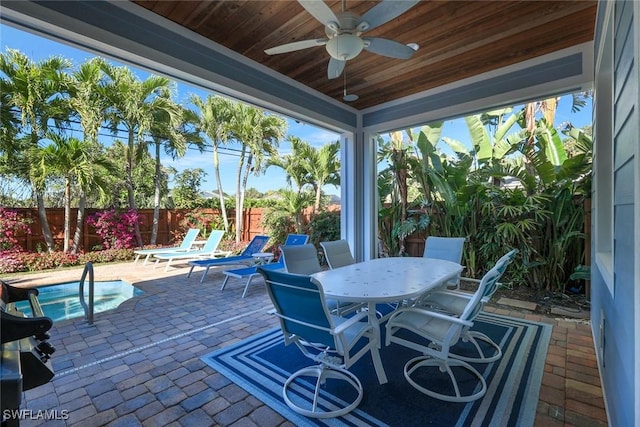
<point x="386" y="279"/>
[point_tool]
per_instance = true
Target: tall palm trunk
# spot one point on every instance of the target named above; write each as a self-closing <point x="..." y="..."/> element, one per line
<point x="67" y="214"/>
<point x="129" y="184"/>
<point x="239" y="226"/>
<point x="223" y="206"/>
<point x="79" y="223"/>
<point x="44" y="222"/>
<point x="316" y="205"/>
<point x="245" y="178"/>
<point x="42" y="212"/>
<point x="156" y="197"/>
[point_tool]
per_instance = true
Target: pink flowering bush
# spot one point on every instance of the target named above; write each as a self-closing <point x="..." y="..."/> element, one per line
<point x="14" y="262"/>
<point x="11" y="224"/>
<point x="117" y="229"/>
<point x="11" y="262"/>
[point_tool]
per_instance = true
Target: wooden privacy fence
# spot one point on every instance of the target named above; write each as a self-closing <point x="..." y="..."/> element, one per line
<point x="168" y="223"/>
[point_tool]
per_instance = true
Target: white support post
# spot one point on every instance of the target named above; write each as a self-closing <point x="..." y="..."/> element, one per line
<point x="358" y="194"/>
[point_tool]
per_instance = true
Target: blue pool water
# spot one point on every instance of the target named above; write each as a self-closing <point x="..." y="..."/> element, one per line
<point x="60" y="302"/>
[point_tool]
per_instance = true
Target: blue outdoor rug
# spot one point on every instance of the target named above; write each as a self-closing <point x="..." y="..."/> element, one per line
<point x="260" y="364"/>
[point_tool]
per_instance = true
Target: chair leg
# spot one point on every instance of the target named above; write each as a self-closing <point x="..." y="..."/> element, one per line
<point x="224" y="282"/>
<point x="321" y="373"/>
<point x="166" y="268"/>
<point x="204" y="274"/>
<point x="246" y="287"/>
<point x="444" y="366"/>
<point x="190" y="271"/>
<point x="481" y="354"/>
<point x="146" y="259"/>
<point x="135" y="261"/>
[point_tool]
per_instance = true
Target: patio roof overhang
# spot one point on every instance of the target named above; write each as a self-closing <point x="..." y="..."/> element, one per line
<point x="479" y="54"/>
<point x="134" y="34"/>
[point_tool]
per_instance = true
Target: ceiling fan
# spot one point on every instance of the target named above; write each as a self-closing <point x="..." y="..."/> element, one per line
<point x="344" y="39"/>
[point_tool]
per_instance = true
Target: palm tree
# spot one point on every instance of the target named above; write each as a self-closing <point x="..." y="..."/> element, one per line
<point x="308" y="165"/>
<point x="133" y="104"/>
<point x="73" y="160"/>
<point x="9" y="122"/>
<point x="214" y="121"/>
<point x="35" y="89"/>
<point x="168" y="130"/>
<point x="87" y="98"/>
<point x="294" y="164"/>
<point x="259" y="134"/>
<point x="324" y="168"/>
<point x="294" y="203"/>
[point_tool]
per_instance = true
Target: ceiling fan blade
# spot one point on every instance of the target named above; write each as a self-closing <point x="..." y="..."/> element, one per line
<point x="386" y="47"/>
<point x="336" y="67"/>
<point x="319" y="10"/>
<point x="291" y="47"/>
<point x="385" y="11"/>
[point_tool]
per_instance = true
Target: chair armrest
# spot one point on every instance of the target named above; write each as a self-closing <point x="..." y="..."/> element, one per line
<point x="350" y="322"/>
<point x="430" y="313"/>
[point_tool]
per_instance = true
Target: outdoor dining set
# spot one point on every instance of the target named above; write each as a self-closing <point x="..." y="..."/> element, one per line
<point x="336" y="315"/>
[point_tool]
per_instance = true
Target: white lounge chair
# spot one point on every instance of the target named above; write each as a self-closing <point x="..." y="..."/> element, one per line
<point x="186" y="245"/>
<point x="209" y="250"/>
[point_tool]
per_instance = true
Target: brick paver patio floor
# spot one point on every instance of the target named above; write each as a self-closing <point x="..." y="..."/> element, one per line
<point x="140" y="364"/>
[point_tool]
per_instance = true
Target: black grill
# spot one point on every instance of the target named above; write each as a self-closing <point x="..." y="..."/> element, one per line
<point x="24" y="359"/>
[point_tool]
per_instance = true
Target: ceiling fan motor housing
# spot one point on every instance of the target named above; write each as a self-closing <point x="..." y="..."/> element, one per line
<point x="344" y="39"/>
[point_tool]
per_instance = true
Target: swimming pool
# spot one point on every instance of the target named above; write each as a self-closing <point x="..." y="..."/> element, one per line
<point x="60" y="301"/>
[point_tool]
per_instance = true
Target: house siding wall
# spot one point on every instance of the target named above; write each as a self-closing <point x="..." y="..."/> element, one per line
<point x="613" y="314"/>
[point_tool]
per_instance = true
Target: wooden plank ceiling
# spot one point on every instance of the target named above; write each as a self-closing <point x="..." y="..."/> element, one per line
<point x="457" y="39"/>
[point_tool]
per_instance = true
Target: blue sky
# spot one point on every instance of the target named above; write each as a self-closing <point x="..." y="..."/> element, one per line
<point x="39" y="48"/>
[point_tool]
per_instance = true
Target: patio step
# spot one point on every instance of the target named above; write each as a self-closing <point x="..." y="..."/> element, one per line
<point x="525" y="305"/>
<point x="570" y="312"/>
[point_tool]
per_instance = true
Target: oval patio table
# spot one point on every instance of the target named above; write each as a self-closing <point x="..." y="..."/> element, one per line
<point x="385" y="280"/>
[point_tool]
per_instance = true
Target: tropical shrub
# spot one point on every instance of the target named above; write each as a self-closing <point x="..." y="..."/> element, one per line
<point x="542" y="214"/>
<point x="278" y="225"/>
<point x="205" y="221"/>
<point x="324" y="227"/>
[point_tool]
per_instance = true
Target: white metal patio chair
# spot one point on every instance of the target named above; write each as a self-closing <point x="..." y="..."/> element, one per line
<point x="300" y="259"/>
<point x="337" y="253"/>
<point x="303" y="259"/>
<point x="447" y="248"/>
<point x="433" y="334"/>
<point x="454" y="303"/>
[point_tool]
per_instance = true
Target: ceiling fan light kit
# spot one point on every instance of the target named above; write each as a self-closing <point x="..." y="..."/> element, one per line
<point x="345" y="46"/>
